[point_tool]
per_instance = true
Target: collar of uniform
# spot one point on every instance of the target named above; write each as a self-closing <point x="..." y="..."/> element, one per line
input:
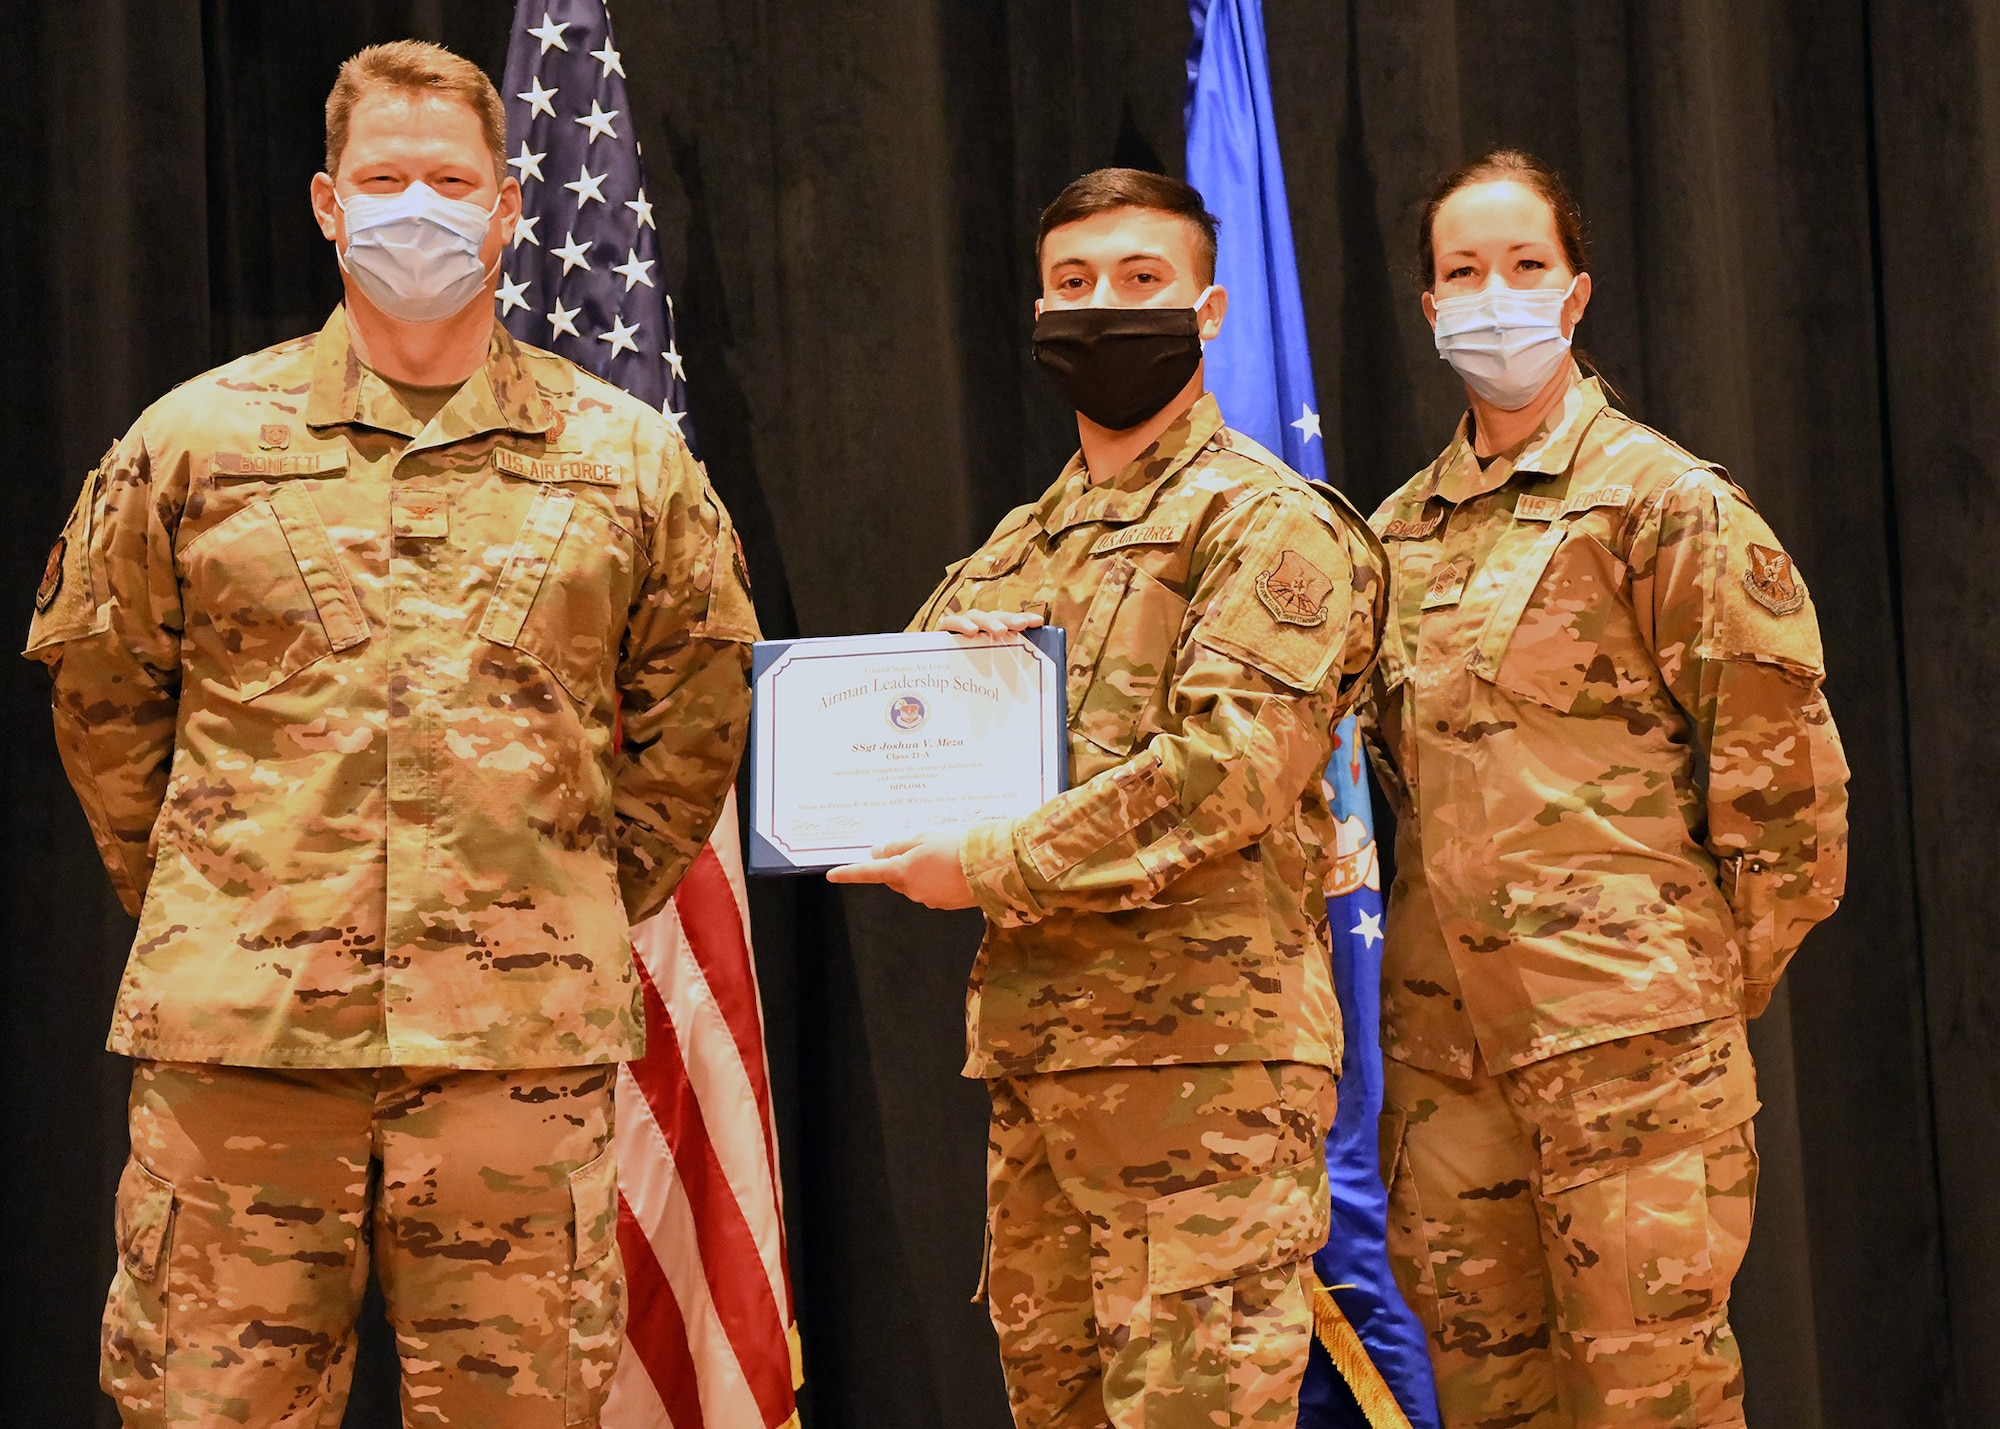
<point x="1126" y="497"/>
<point x="500" y="396"/>
<point x="1547" y="451"/>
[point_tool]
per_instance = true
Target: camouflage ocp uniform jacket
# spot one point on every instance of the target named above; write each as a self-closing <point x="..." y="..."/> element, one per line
<point x="1221" y="615"/>
<point x="338" y="691"/>
<point x="1620" y="797"/>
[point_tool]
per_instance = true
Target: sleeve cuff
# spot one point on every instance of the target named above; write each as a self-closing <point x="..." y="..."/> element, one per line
<point x="994" y="870"/>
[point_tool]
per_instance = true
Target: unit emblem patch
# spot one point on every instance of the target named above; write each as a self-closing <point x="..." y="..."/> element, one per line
<point x="274" y="436"/>
<point x="1295" y="590"/>
<point x="1773" y="582"/>
<point x="52" y="574"/>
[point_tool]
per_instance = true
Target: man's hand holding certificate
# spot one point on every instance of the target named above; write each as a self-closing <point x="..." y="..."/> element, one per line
<point x="928" y="870"/>
<point x="872" y="755"/>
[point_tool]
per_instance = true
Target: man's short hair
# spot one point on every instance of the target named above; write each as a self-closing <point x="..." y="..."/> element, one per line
<point x="414" y="67"/>
<point x="1103" y="190"/>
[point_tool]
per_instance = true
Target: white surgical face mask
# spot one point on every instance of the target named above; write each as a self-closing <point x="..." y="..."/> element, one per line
<point x="415" y="253"/>
<point x="1505" y="342"/>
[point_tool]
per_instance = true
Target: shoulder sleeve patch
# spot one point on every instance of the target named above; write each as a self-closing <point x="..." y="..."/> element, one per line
<point x="1284" y="611"/>
<point x="1763" y="610"/>
<point x="65" y="601"/>
<point x="1294" y="590"/>
<point x="52" y="575"/>
<point x="1772" y="580"/>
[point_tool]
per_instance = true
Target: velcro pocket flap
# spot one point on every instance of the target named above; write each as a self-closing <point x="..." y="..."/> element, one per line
<point x="326" y="579"/>
<point x="521" y="580"/>
<point x="145" y="1217"/>
<point x="1514" y="597"/>
<point x="593" y="1190"/>
<point x="1631" y="1120"/>
<point x="1209" y="1234"/>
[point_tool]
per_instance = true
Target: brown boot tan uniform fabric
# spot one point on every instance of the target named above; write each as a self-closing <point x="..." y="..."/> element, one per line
<point x="1621" y="803"/>
<point x="1153" y="1004"/>
<point x="337" y="689"/>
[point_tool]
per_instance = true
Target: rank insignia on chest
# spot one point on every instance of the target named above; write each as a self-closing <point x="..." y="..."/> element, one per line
<point x="1295" y="590"/>
<point x="52" y="574"/>
<point x="274" y="436"/>
<point x="422" y="515"/>
<point x="1772" y="581"/>
<point x="1447" y="584"/>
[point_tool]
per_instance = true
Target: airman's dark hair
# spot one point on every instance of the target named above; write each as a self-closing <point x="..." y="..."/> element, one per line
<point x="1103" y="190"/>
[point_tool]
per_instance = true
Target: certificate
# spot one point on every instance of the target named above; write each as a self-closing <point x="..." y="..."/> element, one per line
<point x="859" y="740"/>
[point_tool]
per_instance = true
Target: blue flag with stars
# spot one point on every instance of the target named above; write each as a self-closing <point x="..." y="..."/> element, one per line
<point x="582" y="277"/>
<point x="1260" y="370"/>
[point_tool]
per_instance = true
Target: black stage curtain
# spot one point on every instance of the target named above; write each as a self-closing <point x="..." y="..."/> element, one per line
<point x="1796" y="212"/>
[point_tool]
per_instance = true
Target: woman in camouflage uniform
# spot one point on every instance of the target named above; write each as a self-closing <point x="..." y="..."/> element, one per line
<point x="1621" y="804"/>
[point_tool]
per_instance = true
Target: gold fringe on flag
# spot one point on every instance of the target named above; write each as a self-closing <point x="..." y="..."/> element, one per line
<point x="1343" y="1346"/>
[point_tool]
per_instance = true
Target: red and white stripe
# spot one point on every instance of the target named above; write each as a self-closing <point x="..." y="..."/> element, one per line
<point x="711" y="1342"/>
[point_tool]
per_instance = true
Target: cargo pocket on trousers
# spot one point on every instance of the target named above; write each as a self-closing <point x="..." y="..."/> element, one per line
<point x="1408" y="1246"/>
<point x="1199" y="1242"/>
<point x="1649" y="1184"/>
<point x="132" y="1367"/>
<point x="596" y="1289"/>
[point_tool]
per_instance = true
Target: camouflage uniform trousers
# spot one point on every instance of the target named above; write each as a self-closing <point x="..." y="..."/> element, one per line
<point x="1148" y="1230"/>
<point x="255" y="1199"/>
<point x="1568" y="1231"/>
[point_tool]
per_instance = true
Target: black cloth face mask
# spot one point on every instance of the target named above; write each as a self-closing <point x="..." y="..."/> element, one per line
<point x="1118" y="366"/>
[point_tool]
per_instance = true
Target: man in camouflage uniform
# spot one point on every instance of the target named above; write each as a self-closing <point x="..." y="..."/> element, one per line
<point x="342" y="634"/>
<point x="1620" y="804"/>
<point x="1153" y="1006"/>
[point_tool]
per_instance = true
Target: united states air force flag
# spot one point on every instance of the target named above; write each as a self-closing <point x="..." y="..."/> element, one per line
<point x="711" y="1339"/>
<point x="1369" y="1364"/>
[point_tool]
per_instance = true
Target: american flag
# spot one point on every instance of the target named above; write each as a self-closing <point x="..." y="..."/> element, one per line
<point x="711" y="1342"/>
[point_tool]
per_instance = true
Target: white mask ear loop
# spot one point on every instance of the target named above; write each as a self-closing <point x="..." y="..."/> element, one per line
<point x="1201" y="298"/>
